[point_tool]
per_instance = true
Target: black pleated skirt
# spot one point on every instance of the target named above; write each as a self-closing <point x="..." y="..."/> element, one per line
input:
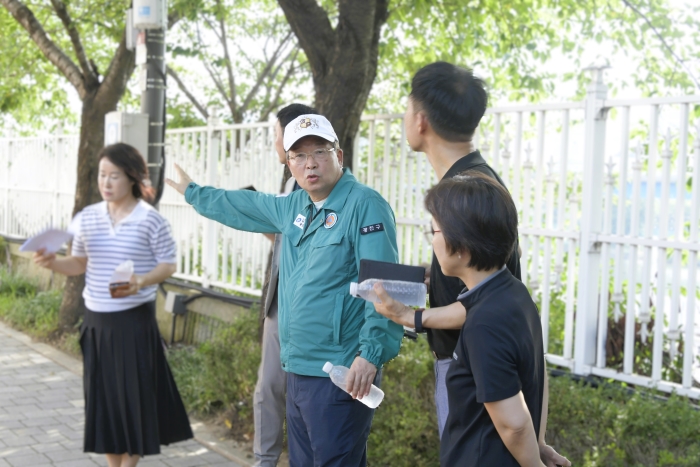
<point x="131" y="402"/>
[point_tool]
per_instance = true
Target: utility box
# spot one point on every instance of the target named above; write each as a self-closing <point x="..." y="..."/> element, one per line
<point x="132" y="129"/>
<point x="150" y="14"/>
<point x="175" y="303"/>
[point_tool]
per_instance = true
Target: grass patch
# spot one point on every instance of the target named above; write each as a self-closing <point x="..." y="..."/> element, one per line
<point x="27" y="308"/>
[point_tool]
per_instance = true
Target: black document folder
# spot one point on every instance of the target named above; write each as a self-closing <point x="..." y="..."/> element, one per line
<point x="370" y="269"/>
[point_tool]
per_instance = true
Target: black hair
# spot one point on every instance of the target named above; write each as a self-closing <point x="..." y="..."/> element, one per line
<point x="130" y="160"/>
<point x="292" y="111"/>
<point x="477" y="215"/>
<point x="453" y="99"/>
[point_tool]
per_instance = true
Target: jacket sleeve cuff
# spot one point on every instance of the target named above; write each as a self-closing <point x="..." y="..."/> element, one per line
<point x="373" y="357"/>
<point x="189" y="191"/>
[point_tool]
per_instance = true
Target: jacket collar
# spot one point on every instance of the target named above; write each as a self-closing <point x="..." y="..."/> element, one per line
<point x="469" y="161"/>
<point x="337" y="197"/>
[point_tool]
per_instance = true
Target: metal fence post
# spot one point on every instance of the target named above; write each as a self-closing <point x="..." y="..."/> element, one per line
<point x="7" y="165"/>
<point x="591" y="223"/>
<point x="210" y="251"/>
<point x="57" y="147"/>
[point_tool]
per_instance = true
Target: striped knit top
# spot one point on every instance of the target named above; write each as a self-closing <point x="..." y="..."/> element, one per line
<point x="144" y="237"/>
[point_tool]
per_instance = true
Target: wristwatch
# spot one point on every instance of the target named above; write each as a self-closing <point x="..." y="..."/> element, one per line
<point x="418" y="319"/>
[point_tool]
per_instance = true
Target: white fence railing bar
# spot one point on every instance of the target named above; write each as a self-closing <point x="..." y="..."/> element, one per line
<point x="609" y="217"/>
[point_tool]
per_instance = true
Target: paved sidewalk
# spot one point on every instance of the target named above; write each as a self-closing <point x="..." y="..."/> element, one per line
<point x="41" y="413"/>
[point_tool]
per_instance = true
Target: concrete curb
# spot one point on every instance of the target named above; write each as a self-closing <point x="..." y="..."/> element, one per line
<point x="203" y="434"/>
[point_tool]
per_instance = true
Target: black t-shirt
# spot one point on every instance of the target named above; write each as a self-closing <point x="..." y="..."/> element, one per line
<point x="499" y="353"/>
<point x="444" y="290"/>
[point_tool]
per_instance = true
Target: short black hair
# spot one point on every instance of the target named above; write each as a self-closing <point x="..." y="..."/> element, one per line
<point x="477" y="215"/>
<point x="292" y="111"/>
<point x="453" y="99"/>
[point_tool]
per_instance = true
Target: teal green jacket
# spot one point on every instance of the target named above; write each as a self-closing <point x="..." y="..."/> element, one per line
<point x="318" y="319"/>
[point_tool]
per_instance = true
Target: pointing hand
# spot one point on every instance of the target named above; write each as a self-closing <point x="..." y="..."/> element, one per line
<point x="181" y="185"/>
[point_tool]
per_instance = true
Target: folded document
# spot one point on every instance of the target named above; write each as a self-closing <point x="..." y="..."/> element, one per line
<point x="52" y="240"/>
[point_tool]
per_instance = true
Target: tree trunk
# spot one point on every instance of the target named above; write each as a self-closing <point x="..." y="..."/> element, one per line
<point x="343" y="60"/>
<point x="96" y="104"/>
<point x="86" y="193"/>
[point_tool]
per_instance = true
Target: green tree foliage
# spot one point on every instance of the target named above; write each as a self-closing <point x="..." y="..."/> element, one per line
<point x="509" y="44"/>
<point x="240" y="56"/>
<point x="33" y="91"/>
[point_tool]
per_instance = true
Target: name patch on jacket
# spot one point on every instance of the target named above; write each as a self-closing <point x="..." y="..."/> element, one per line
<point x="300" y="221"/>
<point x="371" y="228"/>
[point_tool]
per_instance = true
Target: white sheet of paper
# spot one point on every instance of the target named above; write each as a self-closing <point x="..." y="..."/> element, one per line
<point x="51" y="239"/>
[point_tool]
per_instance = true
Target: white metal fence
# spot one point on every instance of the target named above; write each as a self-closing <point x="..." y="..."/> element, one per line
<point x="609" y="217"/>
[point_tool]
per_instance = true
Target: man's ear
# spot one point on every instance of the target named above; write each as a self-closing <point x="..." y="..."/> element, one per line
<point x="339" y="155"/>
<point x="422" y="122"/>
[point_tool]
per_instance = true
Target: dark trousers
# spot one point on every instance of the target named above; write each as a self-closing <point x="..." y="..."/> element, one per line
<point x="325" y="426"/>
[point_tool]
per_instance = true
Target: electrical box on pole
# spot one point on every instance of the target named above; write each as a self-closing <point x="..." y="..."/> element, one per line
<point x="150" y="14"/>
<point x="129" y="128"/>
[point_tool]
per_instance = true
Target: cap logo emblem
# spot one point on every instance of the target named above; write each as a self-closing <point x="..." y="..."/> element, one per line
<point x="305" y="123"/>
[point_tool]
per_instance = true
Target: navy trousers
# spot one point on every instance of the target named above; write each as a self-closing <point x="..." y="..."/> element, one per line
<point x="325" y="426"/>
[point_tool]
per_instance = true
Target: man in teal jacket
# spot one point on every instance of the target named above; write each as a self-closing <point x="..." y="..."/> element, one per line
<point x="328" y="226"/>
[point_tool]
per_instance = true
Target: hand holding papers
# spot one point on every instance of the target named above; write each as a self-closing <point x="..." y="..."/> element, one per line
<point x="49" y="240"/>
<point x="120" y="282"/>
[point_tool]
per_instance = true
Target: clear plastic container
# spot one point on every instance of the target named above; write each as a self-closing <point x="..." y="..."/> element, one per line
<point x="338" y="375"/>
<point x="408" y="293"/>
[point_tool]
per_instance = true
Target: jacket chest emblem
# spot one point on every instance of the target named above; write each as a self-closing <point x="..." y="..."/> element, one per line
<point x="331" y="219"/>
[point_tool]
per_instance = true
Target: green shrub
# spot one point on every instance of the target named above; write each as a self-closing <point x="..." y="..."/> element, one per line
<point x="404" y="429"/>
<point x="16" y="285"/>
<point x="610" y="426"/>
<point x="220" y="375"/>
<point x="27" y="309"/>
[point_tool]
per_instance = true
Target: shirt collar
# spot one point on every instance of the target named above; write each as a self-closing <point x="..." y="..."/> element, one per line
<point x="467" y="293"/>
<point x="138" y="214"/>
<point x="337" y="197"/>
<point x="467" y="162"/>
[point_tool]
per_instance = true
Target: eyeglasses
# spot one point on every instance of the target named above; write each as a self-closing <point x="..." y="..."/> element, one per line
<point x="319" y="155"/>
<point x="429" y="234"/>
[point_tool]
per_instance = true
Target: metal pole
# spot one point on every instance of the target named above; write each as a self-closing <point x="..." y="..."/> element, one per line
<point x="591" y="225"/>
<point x="153" y="104"/>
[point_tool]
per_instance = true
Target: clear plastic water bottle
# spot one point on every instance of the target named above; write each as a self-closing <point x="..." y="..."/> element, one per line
<point x="339" y="374"/>
<point x="408" y="293"/>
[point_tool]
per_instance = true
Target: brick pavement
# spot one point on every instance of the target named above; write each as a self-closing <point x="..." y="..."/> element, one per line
<point x="41" y="415"/>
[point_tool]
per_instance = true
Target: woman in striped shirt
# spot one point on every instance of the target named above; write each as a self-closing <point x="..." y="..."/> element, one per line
<point x="132" y="405"/>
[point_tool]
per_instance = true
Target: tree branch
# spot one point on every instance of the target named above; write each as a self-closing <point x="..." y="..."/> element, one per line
<point x="117" y="75"/>
<point x="313" y="29"/>
<point x="261" y="78"/>
<point x="51" y="51"/>
<point x="663" y="42"/>
<point x="227" y="57"/>
<point x="290" y="71"/>
<point x="244" y="55"/>
<point x="183" y="88"/>
<point x="88" y="72"/>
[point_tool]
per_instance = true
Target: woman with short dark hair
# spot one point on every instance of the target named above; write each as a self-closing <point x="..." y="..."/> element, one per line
<point x="132" y="405"/>
<point x="496" y="382"/>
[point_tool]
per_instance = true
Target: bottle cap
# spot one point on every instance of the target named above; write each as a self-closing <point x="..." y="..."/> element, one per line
<point x="328" y="367"/>
<point x="353" y="289"/>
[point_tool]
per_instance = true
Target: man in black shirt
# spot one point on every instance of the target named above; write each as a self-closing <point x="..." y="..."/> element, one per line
<point x="444" y="109"/>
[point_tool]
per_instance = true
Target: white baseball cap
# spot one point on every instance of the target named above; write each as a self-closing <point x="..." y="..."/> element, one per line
<point x="308" y="125"/>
